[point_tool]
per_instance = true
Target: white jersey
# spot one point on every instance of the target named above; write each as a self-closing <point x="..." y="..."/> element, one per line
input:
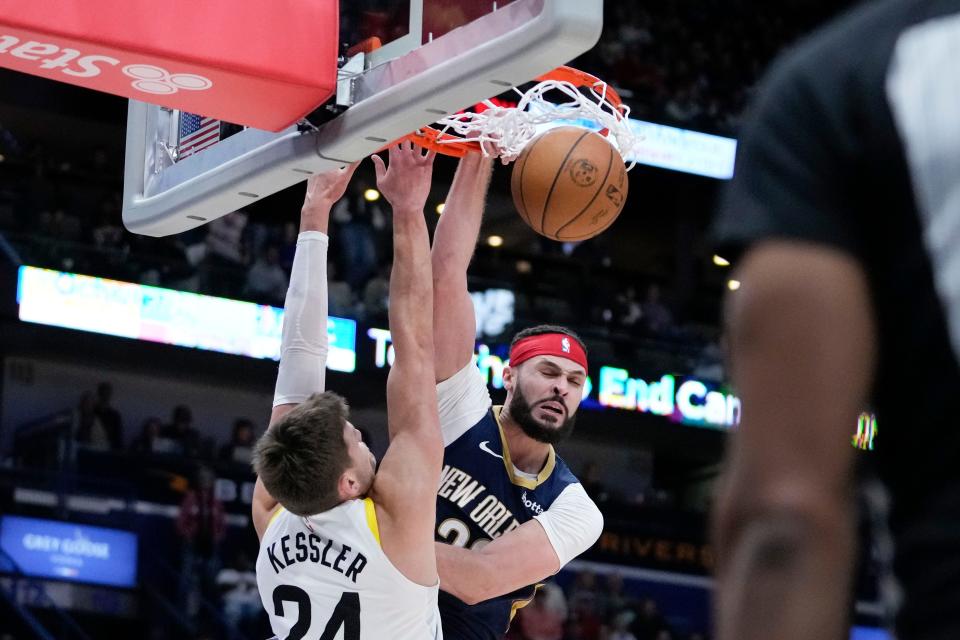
<point x="325" y="577"/>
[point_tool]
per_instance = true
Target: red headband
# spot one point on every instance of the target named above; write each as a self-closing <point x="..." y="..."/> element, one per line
<point x="548" y="344"/>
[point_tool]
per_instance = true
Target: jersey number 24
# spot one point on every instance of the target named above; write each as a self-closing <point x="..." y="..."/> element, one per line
<point x="346" y="614"/>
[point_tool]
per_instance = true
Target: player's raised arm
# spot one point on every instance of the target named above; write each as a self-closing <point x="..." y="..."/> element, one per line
<point x="453" y="243"/>
<point x="303" y="347"/>
<point x="406" y="483"/>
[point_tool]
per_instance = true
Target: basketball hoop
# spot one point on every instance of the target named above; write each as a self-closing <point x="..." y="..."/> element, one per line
<point x="504" y="131"/>
<point x="430" y="62"/>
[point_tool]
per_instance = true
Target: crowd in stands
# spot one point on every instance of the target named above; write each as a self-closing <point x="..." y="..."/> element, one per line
<point x="214" y="569"/>
<point x="45" y="220"/>
<point x="99" y="427"/>
<point x="60" y="220"/>
<point x="215" y="566"/>
<point x="64" y="213"/>
<point x="691" y="64"/>
<point x="695" y="64"/>
<point x="594" y="608"/>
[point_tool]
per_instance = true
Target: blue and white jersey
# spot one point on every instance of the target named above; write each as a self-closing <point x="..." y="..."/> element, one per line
<point x="483" y="496"/>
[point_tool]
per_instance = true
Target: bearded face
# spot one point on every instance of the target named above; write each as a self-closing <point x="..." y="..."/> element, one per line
<point x="546" y="419"/>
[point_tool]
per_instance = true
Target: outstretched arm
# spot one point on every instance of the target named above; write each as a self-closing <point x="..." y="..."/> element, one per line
<point x="303" y="347"/>
<point x="453" y="243"/>
<point x="405" y="487"/>
<point x="526" y="555"/>
<point x="516" y="559"/>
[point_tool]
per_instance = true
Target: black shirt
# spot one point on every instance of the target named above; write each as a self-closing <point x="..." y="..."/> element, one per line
<point x="854" y="142"/>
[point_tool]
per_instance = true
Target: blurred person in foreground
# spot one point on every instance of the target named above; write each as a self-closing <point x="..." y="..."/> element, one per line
<point x="844" y="222"/>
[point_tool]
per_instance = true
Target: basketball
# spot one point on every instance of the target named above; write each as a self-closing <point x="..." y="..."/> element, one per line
<point x="569" y="184"/>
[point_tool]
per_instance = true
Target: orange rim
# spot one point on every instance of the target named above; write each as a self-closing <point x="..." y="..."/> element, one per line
<point x="453" y="145"/>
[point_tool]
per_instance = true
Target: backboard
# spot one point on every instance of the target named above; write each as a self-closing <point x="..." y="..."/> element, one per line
<point x="435" y="57"/>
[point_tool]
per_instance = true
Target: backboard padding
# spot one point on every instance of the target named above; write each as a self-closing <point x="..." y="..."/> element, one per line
<point x="480" y="59"/>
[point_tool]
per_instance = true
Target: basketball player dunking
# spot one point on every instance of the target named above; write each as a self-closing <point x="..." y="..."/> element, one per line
<point x="343" y="546"/>
<point x="509" y="511"/>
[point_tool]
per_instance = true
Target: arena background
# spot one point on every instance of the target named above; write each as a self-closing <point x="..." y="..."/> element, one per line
<point x="93" y="540"/>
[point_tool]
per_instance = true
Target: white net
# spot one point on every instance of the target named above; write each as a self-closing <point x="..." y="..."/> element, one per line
<point x="505" y="131"/>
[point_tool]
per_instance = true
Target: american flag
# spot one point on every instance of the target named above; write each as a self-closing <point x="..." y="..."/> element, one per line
<point x="196" y="133"/>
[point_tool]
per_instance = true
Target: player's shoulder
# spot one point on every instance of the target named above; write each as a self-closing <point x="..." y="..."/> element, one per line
<point x="562" y="474"/>
<point x="463" y="402"/>
<point x="275" y="520"/>
<point x="568" y="486"/>
<point x="561" y="485"/>
<point x="481" y="426"/>
<point x="575" y="512"/>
